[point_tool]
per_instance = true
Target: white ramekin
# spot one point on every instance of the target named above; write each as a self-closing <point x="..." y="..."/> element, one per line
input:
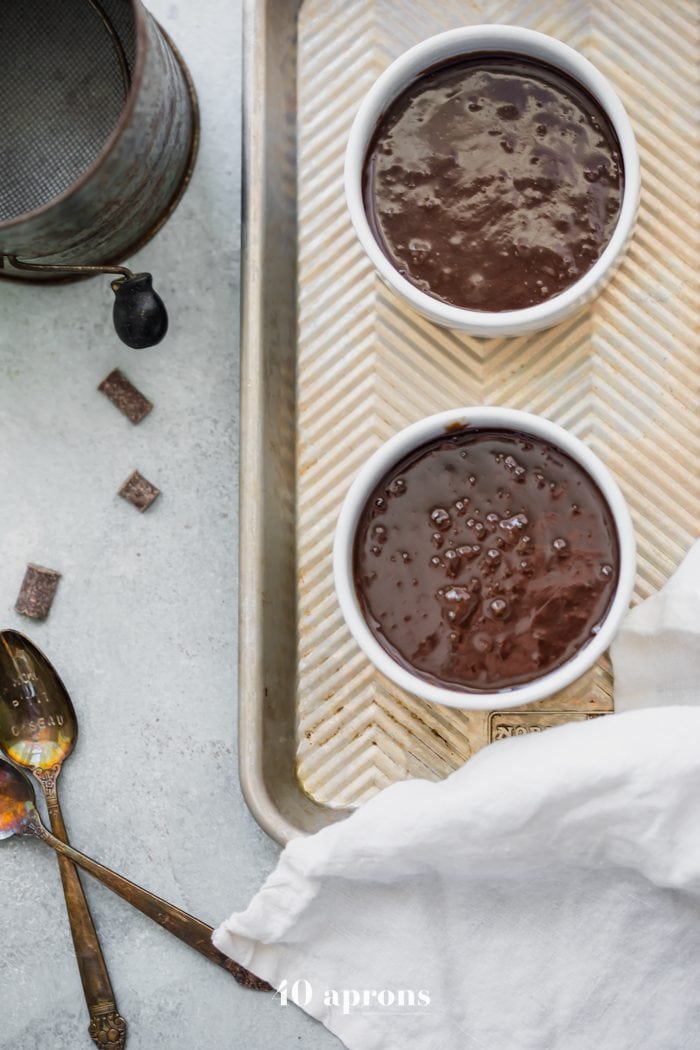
<point x="391" y="453"/>
<point x="450" y="45"/>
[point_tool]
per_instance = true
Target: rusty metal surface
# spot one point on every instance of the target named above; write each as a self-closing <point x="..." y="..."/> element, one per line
<point x="126" y="193"/>
<point x="333" y="364"/>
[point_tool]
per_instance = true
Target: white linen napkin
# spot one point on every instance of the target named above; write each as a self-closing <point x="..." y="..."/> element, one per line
<point x="546" y="896"/>
<point x="656" y="654"/>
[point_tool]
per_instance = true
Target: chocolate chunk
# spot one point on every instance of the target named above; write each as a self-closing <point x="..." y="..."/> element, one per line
<point x="37" y="592"/>
<point x="125" y="396"/>
<point x="139" y="492"/>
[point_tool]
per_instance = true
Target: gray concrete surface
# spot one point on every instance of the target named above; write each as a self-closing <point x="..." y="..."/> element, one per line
<point x="143" y="629"/>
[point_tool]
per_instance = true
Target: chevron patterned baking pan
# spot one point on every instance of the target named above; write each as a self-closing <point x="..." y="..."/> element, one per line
<point x="332" y="364"/>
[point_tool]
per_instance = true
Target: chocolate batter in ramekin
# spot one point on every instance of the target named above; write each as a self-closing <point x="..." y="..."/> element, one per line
<point x="485" y="559"/>
<point x="494" y="182"/>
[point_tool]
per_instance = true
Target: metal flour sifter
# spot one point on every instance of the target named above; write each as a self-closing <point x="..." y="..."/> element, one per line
<point x="98" y="138"/>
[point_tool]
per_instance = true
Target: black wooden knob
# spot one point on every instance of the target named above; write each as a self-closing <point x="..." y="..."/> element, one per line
<point x="140" y="317"/>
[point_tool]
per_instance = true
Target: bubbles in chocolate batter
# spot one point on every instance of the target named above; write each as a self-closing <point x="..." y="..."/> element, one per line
<point x="499" y="608"/>
<point x="485" y="615"/>
<point x="440" y="518"/>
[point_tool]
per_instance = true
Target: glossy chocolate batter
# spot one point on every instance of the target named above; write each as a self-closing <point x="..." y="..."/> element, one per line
<point x="485" y="559"/>
<point x="493" y="183"/>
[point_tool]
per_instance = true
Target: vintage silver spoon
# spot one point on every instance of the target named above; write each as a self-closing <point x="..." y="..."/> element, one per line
<point x="38" y="730"/>
<point x="19" y="816"/>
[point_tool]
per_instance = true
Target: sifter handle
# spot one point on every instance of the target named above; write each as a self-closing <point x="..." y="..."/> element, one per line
<point x="139" y="314"/>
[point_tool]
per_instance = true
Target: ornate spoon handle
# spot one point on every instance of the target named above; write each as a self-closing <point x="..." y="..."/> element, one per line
<point x="107" y="1026"/>
<point x="192" y="931"/>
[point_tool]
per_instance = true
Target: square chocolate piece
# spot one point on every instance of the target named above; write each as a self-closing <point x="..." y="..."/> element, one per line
<point x="138" y="491"/>
<point x="125" y="396"/>
<point x="37" y="592"/>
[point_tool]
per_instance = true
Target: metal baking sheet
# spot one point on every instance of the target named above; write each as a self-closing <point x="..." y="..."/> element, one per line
<point x="332" y="364"/>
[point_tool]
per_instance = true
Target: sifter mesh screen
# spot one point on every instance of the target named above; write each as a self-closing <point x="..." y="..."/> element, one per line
<point x="64" y="78"/>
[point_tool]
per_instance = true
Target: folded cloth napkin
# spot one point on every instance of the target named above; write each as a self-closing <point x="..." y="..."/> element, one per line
<point x="546" y="896"/>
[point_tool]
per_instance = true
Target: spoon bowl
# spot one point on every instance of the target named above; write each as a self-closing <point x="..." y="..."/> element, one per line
<point x="38" y="725"/>
<point x="17" y="804"/>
